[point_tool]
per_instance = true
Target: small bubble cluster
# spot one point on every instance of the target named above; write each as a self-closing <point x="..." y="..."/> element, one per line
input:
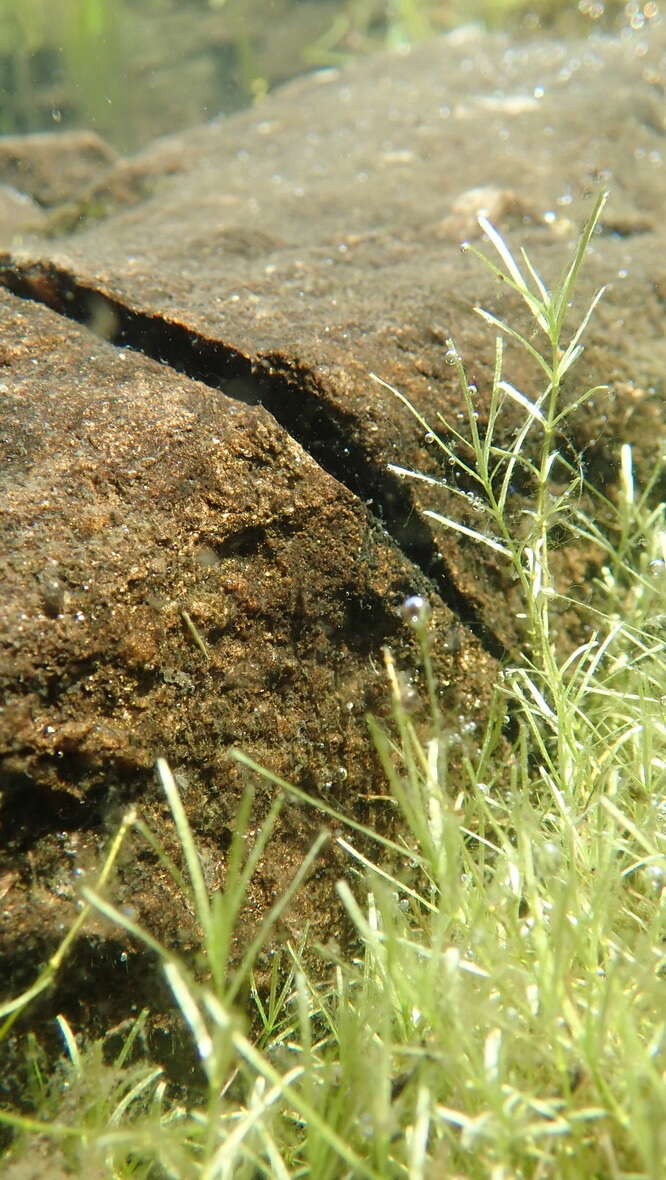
<point x="409" y="693"/>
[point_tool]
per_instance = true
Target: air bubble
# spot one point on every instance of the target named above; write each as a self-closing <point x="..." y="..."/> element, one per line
<point x="550" y="857"/>
<point x="409" y="696"/>
<point x="415" y="610"/>
<point x="466" y="726"/>
<point x="655" y="877"/>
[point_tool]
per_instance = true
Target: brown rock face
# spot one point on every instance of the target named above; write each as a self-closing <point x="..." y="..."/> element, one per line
<point x="202" y="543"/>
<point x="54" y="167"/>
<point x="179" y="576"/>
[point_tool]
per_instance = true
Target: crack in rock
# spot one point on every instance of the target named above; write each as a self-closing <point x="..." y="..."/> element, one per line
<point x="289" y="392"/>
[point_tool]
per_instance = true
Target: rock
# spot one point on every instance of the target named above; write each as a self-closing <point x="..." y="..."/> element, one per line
<point x="303" y="239"/>
<point x="503" y="207"/>
<point x="54" y="167"/>
<point x="207" y="548"/>
<point x="18" y="214"/>
<point x="179" y="576"/>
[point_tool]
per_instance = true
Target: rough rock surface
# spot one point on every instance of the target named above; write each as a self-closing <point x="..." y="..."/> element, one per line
<point x="316" y="239"/>
<point x="18" y="214"/>
<point x="54" y="167"/>
<point x="240" y="475"/>
<point x="179" y="576"/>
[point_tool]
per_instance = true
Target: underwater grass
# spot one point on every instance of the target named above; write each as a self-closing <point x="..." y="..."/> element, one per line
<point x="502" y="1014"/>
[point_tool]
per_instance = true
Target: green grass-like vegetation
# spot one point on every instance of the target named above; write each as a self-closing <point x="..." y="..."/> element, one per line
<point x="503" y="1014"/>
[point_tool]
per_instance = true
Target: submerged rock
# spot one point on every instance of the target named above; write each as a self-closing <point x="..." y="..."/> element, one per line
<point x="179" y="576"/>
<point x="203" y="544"/>
<point x="53" y="167"/>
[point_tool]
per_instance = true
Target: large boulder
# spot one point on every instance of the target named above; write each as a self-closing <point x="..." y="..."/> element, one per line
<point x="203" y="543"/>
<point x="179" y="576"/>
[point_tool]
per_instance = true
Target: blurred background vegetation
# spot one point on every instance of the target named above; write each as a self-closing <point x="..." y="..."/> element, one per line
<point x="133" y="69"/>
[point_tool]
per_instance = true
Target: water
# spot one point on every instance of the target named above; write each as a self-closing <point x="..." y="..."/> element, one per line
<point x="135" y="69"/>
